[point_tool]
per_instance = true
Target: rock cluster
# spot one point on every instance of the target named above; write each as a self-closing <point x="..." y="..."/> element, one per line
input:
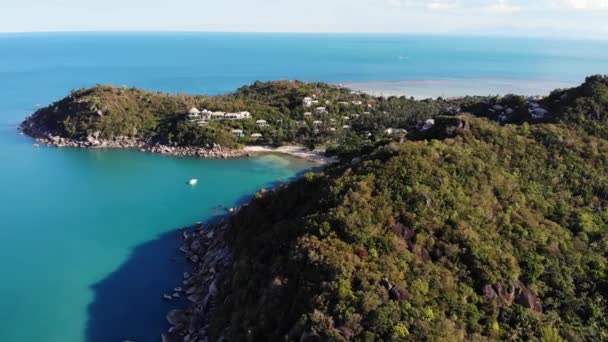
<point x="93" y="140"/>
<point x="206" y="248"/>
<point x="516" y="292"/>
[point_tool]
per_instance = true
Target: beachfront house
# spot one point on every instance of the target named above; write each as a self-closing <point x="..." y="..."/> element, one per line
<point x="261" y="123"/>
<point x="238" y="133"/>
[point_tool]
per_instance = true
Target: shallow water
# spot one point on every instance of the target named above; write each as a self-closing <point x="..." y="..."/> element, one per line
<point x="88" y="236"/>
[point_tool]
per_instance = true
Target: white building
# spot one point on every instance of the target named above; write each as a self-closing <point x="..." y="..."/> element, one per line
<point x="307" y="114"/>
<point x="237" y="116"/>
<point x="357" y="103"/>
<point x="218" y="115"/>
<point x="321" y="110"/>
<point x="307" y="102"/>
<point x="346" y="127"/>
<point x="194" y="113"/>
<point x="238" y="133"/>
<point x="317" y="123"/>
<point x="261" y="123"/>
<point x="256" y="135"/>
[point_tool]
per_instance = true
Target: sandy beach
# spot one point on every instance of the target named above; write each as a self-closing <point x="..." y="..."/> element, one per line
<point x="295" y="151"/>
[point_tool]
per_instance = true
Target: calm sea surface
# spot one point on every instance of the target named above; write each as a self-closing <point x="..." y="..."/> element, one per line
<point x="88" y="240"/>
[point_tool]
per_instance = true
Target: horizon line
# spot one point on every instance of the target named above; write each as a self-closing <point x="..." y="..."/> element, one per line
<point x="320" y="33"/>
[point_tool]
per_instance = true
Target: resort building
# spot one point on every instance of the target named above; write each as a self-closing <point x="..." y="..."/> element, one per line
<point x="238" y="133"/>
<point x="317" y="122"/>
<point x="256" y="135"/>
<point x="307" y="114"/>
<point x="321" y="110"/>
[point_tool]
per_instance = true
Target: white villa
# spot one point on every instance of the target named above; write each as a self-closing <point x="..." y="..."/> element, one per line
<point x="307" y="114"/>
<point x="261" y="123"/>
<point x="194" y="113"/>
<point x="238" y="133"/>
<point x="346" y="127"/>
<point x="256" y="135"/>
<point x="343" y="103"/>
<point x="321" y="110"/>
<point x="317" y="122"/>
<point x="345" y="118"/>
<point x="357" y="103"/>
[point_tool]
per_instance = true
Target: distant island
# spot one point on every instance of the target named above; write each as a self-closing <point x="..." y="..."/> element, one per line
<point x="469" y="219"/>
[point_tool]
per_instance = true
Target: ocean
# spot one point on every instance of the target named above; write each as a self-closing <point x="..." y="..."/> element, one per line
<point x="89" y="237"/>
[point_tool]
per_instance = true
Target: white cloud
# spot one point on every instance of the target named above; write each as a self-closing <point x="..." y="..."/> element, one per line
<point x="586" y="4"/>
<point x="503" y="6"/>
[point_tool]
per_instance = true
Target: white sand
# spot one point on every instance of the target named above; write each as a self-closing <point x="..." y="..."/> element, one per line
<point x="295" y="151"/>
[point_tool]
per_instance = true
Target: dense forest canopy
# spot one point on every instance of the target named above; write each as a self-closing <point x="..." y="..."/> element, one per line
<point x="495" y="233"/>
<point x="474" y="230"/>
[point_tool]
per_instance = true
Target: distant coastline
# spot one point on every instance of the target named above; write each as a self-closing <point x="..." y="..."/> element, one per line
<point x="457" y="87"/>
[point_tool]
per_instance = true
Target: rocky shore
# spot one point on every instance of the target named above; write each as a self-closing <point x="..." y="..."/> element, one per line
<point x="43" y="136"/>
<point x="206" y="248"/>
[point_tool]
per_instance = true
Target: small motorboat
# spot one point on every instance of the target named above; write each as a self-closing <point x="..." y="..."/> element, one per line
<point x="193" y="182"/>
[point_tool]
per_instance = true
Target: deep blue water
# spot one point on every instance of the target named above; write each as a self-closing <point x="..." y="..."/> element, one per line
<point x="88" y="237"/>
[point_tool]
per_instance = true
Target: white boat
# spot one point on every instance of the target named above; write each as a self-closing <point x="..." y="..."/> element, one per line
<point x="193" y="181"/>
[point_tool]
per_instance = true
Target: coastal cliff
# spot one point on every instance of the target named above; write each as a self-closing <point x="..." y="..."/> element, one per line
<point x="470" y="230"/>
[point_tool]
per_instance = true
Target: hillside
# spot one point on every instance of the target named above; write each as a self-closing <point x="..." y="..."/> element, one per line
<point x="469" y="231"/>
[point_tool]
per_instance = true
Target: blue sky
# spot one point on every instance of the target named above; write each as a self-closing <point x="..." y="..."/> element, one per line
<point x="558" y="18"/>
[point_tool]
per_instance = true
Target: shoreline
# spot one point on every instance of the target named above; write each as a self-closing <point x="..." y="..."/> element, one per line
<point x="292" y="150"/>
<point x="211" y="152"/>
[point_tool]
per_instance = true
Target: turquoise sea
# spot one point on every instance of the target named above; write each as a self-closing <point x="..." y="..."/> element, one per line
<point x="88" y="238"/>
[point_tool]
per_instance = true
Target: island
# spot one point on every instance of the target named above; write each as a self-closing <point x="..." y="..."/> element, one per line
<point x="470" y="219"/>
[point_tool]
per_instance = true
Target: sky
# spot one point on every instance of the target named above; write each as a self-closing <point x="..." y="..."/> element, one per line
<point x="544" y="18"/>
